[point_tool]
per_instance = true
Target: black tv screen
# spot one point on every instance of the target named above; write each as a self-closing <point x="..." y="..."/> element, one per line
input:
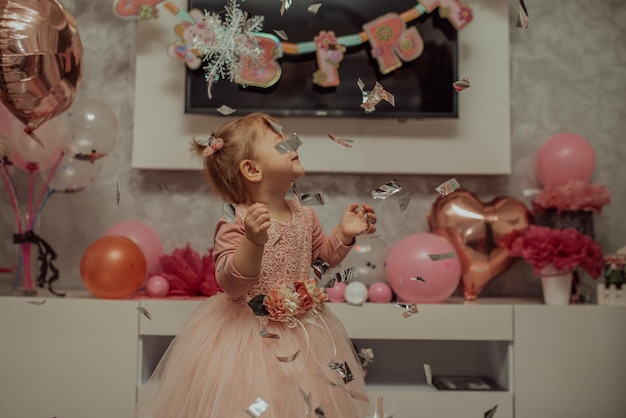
<point x="422" y="87"/>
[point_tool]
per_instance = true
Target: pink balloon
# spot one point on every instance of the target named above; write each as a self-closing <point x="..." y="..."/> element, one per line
<point x="337" y="293"/>
<point x="563" y="158"/>
<point x="157" y="286"/>
<point x="410" y="258"/>
<point x="379" y="292"/>
<point x="145" y="237"/>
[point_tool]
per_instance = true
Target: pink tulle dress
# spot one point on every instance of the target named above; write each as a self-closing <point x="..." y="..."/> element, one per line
<point x="295" y="361"/>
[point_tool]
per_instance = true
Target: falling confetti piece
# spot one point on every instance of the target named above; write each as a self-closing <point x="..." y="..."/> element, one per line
<point x="288" y="359"/>
<point x="266" y="334"/>
<point x="319" y="412"/>
<point x="257" y="408"/>
<point x="225" y="110"/>
<point x="530" y="192"/>
<point x="404" y="200"/>
<point x="371" y="98"/>
<point x="343" y="370"/>
<point x="388" y="189"/>
<point x="161" y="185"/>
<point x="367" y="354"/>
<point x="288" y="145"/>
<point x="37" y="302"/>
<point x="117" y="193"/>
<point x="420" y="278"/>
<point x="285" y="5"/>
<point x="281" y="34"/>
<point x="461" y="85"/>
<point x="229" y="212"/>
<point x="294" y="189"/>
<point x="409" y="309"/>
<point x="312" y="199"/>
<point x="429" y="374"/>
<point x="442" y="256"/>
<point x="522" y="15"/>
<point x="307" y="401"/>
<point x="320" y="268"/>
<point x="491" y="413"/>
<point x="144" y="312"/>
<point x="275" y="126"/>
<point x="447" y="187"/>
<point x="313" y="8"/>
<point x="345" y="142"/>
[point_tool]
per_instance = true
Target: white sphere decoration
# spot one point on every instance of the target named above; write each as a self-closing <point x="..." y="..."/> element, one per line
<point x="356" y="293"/>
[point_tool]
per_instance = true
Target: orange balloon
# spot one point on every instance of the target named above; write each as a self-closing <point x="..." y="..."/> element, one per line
<point x="474" y="228"/>
<point x="113" y="267"/>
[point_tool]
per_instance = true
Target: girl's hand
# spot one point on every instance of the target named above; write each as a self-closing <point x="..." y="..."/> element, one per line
<point x="356" y="221"/>
<point x="256" y="223"/>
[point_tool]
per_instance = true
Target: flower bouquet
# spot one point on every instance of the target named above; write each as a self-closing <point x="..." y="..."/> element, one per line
<point x="562" y="249"/>
<point x="289" y="302"/>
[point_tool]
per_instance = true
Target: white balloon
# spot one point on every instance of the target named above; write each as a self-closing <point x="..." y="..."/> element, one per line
<point x="356" y="293"/>
<point x="368" y="258"/>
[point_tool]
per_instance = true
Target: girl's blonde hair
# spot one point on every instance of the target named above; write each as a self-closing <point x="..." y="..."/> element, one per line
<point x="222" y="166"/>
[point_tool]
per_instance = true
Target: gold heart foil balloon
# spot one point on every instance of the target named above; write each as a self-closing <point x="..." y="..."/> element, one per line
<point x="474" y="228"/>
<point x="40" y="60"/>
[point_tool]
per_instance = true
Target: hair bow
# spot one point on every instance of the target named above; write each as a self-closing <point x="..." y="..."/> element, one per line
<point x="213" y="144"/>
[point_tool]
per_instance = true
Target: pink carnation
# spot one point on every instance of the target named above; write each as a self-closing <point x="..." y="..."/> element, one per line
<point x="565" y="249"/>
<point x="573" y="196"/>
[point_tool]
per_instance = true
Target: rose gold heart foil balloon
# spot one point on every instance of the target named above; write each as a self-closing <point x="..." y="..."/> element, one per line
<point x="474" y="228"/>
<point x="40" y="58"/>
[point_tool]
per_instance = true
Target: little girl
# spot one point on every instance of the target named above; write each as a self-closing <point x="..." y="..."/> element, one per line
<point x="267" y="347"/>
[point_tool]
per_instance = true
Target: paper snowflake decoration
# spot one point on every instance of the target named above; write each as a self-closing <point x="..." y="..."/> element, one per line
<point x="228" y="45"/>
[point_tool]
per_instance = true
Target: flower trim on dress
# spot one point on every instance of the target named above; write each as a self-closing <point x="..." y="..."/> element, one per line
<point x="289" y="302"/>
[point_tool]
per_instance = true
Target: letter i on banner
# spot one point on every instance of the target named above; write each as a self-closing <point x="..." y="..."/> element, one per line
<point x="329" y="54"/>
<point x="266" y="73"/>
<point x="457" y="13"/>
<point x="392" y="42"/>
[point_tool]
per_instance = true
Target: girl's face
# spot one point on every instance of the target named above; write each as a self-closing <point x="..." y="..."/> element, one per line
<point x="276" y="167"/>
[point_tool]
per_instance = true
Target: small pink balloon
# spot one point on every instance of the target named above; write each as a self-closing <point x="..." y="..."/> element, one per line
<point x="563" y="158"/>
<point x="379" y="292"/>
<point x="337" y="293"/>
<point x="157" y="286"/>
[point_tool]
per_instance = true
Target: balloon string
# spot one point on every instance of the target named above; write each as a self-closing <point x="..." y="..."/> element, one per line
<point x="8" y="184"/>
<point x="45" y="192"/>
<point x="42" y="204"/>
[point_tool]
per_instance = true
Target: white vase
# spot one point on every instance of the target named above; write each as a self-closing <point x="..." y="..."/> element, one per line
<point x="557" y="286"/>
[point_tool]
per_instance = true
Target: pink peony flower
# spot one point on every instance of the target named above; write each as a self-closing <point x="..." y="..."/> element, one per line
<point x="565" y="249"/>
<point x="573" y="196"/>
<point x="305" y="302"/>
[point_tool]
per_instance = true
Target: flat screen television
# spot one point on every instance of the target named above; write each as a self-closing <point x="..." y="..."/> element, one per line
<point x="422" y="87"/>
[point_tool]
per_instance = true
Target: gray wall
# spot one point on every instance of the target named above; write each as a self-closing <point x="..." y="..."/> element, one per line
<point x="568" y="74"/>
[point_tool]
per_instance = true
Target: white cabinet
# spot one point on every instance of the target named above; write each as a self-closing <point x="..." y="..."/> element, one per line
<point x="85" y="357"/>
<point x="569" y="361"/>
<point x="67" y="358"/>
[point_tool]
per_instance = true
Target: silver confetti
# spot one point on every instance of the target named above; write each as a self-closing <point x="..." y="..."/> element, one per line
<point x="312" y="199"/>
<point x="386" y="190"/>
<point x="428" y="373"/>
<point x="275" y="126"/>
<point x="294" y="189"/>
<point x="348" y="143"/>
<point x="447" y="187"/>
<point x="266" y="334"/>
<point x="343" y="370"/>
<point x="144" y="312"/>
<point x="37" y="302"/>
<point x="418" y="278"/>
<point x="320" y="268"/>
<point x="288" y="145"/>
<point x="404" y="200"/>
<point x="522" y="15"/>
<point x="491" y="413"/>
<point x="313" y="8"/>
<point x="307" y="401"/>
<point x="285" y="5"/>
<point x="409" y="309"/>
<point x="257" y="408"/>
<point x="117" y="193"/>
<point x="319" y="412"/>
<point x="370" y="99"/>
<point x="225" y="110"/>
<point x="288" y="359"/>
<point x="442" y="256"/>
<point x="229" y="212"/>
<point x="461" y="85"/>
<point x="367" y="355"/>
<point x="281" y="34"/>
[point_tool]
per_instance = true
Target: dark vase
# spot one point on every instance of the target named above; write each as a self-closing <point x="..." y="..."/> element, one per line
<point x="580" y="220"/>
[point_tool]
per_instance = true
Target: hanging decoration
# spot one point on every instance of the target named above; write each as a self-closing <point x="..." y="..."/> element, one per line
<point x="234" y="47"/>
<point x="147" y="9"/>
